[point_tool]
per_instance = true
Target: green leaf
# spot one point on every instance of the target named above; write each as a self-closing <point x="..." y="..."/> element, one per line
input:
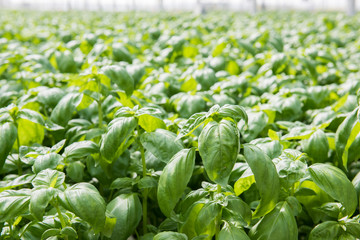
<point x="127" y="210"/>
<point x="219" y="146"/>
<point x="266" y="178"/>
<point x="325" y="231"/>
<point x="205" y="77"/>
<point x="233" y="111"/>
<point x="279" y="224"/>
<point x="237" y="211"/>
<point x="64" y="110"/>
<point x="174" y="179"/>
<point x="335" y="183"/>
<point x="244" y="182"/>
<point x="80" y="199"/>
<point x="69" y="231"/>
<point x="48" y="179"/>
<point x="14" y="203"/>
<point x="119" y="131"/>
<point x="29" y="132"/>
<point x="353" y="228"/>
<point x="170" y="236"/>
<point x="50" y="233"/>
<point x="205" y="221"/>
<point x="8" y="133"/>
<point x="31" y="115"/>
<point x="345" y="136"/>
<point x="162" y="144"/>
<point x="192" y="124"/>
<point x="39" y="200"/>
<point x="317" y="146"/>
<point x="230" y="232"/>
<point x="151" y="123"/>
<point x="188" y="227"/>
<point x="80" y="149"/>
<point x="47" y="161"/>
<point x="75" y="171"/>
<point x="121" y="78"/>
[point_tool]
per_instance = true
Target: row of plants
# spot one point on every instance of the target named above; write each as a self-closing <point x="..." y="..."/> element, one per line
<point x="175" y="126"/>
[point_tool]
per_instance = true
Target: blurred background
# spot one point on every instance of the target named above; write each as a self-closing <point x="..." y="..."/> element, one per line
<point x="349" y="6"/>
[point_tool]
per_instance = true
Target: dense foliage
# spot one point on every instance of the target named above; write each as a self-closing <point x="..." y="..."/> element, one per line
<point x="161" y="126"/>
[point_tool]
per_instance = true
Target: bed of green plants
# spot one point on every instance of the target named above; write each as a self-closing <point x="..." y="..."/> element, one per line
<point x="162" y="126"/>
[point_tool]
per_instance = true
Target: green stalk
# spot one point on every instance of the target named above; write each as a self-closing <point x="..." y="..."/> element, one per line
<point x="218" y="218"/>
<point x="99" y="103"/>
<point x="62" y="220"/>
<point x="145" y="193"/>
<point x="18" y="163"/>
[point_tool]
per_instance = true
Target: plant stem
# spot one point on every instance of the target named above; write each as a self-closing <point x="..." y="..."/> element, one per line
<point x="145" y="194"/>
<point x="218" y="218"/>
<point x="99" y="102"/>
<point x="62" y="220"/>
<point x="18" y="163"/>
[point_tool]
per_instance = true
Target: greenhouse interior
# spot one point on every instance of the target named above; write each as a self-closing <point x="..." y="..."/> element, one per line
<point x="179" y="120"/>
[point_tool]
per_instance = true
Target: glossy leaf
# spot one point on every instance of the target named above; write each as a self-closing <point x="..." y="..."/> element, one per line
<point x="118" y="133"/>
<point x="335" y="183"/>
<point x="162" y="144"/>
<point x="266" y="178"/>
<point x="218" y="147"/>
<point x="279" y="224"/>
<point x="174" y="179"/>
<point x="8" y="133"/>
<point x="127" y="210"/>
<point x="81" y="197"/>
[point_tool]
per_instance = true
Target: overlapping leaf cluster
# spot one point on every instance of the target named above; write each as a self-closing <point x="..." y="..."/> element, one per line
<point x="221" y="126"/>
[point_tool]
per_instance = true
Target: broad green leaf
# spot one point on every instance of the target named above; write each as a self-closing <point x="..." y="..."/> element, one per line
<point x="29" y="132"/>
<point x="48" y="179"/>
<point x="174" y="179"/>
<point x="335" y="183"/>
<point x="151" y="123"/>
<point x="170" y="235"/>
<point x="230" y="232"/>
<point x="48" y="234"/>
<point x="14" y="203"/>
<point x="115" y="138"/>
<point x="64" y="110"/>
<point x="162" y="144"/>
<point x="345" y="136"/>
<point x="219" y="146"/>
<point x="82" y="197"/>
<point x="244" y="182"/>
<point x="80" y="149"/>
<point x="69" y="231"/>
<point x="266" y="178"/>
<point x="279" y="224"/>
<point x="205" y="221"/>
<point x="237" y="211"/>
<point x="312" y="198"/>
<point x="127" y="210"/>
<point x="75" y="171"/>
<point x="188" y="227"/>
<point x="317" y="146"/>
<point x="233" y="111"/>
<point x="325" y="231"/>
<point x="39" y="200"/>
<point x="47" y="161"/>
<point x="192" y="124"/>
<point x="121" y="78"/>
<point x="31" y="115"/>
<point x="8" y="133"/>
<point x="205" y="77"/>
